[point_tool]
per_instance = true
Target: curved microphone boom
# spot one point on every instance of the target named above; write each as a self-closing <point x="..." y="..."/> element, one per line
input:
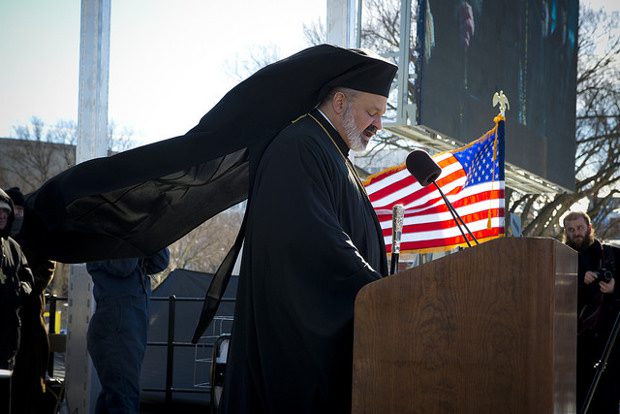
<point x="426" y="171"/>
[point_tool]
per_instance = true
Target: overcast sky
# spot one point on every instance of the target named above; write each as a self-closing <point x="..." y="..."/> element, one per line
<point x="170" y="61"/>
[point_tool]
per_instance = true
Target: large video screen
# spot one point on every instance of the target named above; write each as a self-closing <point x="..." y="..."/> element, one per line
<point x="525" y="48"/>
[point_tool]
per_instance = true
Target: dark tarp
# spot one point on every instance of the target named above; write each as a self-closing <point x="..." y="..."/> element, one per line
<point x="139" y="201"/>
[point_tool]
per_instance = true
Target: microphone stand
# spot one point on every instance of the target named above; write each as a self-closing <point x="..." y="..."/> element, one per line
<point x="397" y="230"/>
<point x="394" y="263"/>
<point x="456" y="217"/>
<point x="601" y="365"/>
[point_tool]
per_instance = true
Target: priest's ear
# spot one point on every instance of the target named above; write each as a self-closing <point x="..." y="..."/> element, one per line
<point x="339" y="102"/>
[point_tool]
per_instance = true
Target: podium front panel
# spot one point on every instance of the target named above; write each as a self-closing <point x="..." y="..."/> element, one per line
<point x="490" y="329"/>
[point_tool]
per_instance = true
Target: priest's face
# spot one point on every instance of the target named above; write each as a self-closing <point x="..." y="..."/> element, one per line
<point x="362" y="118"/>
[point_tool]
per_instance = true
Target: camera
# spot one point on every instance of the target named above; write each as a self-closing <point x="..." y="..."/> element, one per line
<point x="604" y="274"/>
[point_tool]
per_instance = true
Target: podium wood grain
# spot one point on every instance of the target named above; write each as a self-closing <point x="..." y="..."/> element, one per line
<point x="490" y="329"/>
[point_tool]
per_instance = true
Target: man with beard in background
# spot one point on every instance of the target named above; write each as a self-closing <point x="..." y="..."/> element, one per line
<point x="597" y="303"/>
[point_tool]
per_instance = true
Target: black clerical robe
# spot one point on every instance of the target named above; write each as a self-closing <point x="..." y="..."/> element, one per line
<point x="312" y="241"/>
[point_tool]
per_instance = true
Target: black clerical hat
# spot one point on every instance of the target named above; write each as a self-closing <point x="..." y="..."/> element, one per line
<point x="374" y="75"/>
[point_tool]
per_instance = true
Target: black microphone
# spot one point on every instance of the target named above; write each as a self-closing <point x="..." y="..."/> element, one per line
<point x="398" y="213"/>
<point x="426" y="171"/>
<point x="422" y="167"/>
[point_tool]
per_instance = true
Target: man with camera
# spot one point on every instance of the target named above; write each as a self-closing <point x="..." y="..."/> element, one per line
<point x="598" y="303"/>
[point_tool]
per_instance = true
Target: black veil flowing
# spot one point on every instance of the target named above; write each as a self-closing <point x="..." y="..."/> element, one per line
<point x="136" y="202"/>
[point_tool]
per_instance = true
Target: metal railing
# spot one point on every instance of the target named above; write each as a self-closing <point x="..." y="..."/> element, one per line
<point x="51" y="327"/>
<point x="170" y="344"/>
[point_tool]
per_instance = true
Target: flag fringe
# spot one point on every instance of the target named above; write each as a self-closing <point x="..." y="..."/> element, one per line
<point x="440" y="249"/>
<point x="388" y="170"/>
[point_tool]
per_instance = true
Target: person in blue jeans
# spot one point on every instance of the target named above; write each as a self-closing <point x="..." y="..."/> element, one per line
<point x="117" y="332"/>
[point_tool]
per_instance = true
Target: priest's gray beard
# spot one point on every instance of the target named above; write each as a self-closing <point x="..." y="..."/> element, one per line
<point x="357" y="140"/>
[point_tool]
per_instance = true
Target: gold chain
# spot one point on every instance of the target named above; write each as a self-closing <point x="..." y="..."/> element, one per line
<point x="347" y="162"/>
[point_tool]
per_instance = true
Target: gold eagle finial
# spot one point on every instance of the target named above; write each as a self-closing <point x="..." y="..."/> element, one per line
<point x="502" y="100"/>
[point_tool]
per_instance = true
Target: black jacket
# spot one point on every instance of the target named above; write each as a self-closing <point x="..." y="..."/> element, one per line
<point x="596" y="310"/>
<point x="16" y="282"/>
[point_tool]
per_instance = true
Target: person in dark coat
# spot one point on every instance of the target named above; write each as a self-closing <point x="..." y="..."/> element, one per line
<point x="28" y="387"/>
<point x="117" y="332"/>
<point x="312" y="241"/>
<point x="16" y="283"/>
<point x="598" y="303"/>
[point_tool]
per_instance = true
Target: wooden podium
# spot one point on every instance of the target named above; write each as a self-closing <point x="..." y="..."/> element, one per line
<point x="491" y="329"/>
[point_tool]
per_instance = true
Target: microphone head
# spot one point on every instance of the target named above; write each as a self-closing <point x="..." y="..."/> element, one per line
<point x="398" y="215"/>
<point x="422" y="167"/>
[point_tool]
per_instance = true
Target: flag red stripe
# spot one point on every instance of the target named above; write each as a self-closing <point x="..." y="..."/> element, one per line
<point x="410" y="180"/>
<point x="446" y="241"/>
<point x="394" y="170"/>
<point x="443" y="208"/>
<point x="446" y="224"/>
<point x="450" y="241"/>
<point x="423" y="191"/>
<point x="463" y="202"/>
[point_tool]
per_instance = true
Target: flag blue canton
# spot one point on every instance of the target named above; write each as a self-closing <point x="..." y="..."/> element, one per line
<point x="477" y="161"/>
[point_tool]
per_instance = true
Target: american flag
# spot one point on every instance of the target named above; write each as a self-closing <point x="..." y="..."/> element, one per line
<point x="472" y="179"/>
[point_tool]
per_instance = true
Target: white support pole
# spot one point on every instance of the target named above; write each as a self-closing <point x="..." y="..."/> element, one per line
<point x="94" y="70"/>
<point x="341" y="19"/>
<point x="81" y="382"/>
<point x="403" y="108"/>
<point x="82" y="386"/>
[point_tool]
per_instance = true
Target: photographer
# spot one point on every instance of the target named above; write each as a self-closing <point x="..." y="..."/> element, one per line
<point x="598" y="304"/>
